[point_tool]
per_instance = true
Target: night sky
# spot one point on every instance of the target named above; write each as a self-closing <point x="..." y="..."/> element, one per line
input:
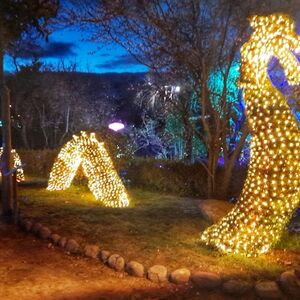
<point x="70" y="45"/>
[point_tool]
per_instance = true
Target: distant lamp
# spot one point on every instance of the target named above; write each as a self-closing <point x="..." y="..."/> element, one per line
<point x="116" y="126"/>
<point x="177" y="89"/>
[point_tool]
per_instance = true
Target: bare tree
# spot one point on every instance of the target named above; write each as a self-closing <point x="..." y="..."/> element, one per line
<point x="187" y="39"/>
<point x="49" y="106"/>
<point x="183" y="39"/>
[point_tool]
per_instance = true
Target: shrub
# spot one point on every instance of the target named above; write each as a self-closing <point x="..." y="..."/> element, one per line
<point x="172" y="177"/>
<point x="38" y="162"/>
<point x="177" y="177"/>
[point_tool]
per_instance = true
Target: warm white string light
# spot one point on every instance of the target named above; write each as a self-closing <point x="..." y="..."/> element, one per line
<point x="103" y="180"/>
<point x="271" y="191"/>
<point x="17" y="164"/>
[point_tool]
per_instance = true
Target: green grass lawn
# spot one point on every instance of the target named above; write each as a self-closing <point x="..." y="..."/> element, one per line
<point x="154" y="229"/>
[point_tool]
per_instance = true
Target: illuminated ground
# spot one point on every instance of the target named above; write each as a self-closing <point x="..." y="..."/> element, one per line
<point x="31" y="271"/>
<point x="154" y="229"/>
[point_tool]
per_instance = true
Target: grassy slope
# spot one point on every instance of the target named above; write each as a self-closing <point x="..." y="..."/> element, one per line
<point x="154" y="229"/>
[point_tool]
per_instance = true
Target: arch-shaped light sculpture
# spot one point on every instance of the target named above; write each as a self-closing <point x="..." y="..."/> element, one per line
<point x="103" y="180"/>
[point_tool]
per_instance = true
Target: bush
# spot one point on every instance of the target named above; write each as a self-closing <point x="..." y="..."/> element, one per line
<point x="177" y="177"/>
<point x="38" y="162"/>
<point x="172" y="177"/>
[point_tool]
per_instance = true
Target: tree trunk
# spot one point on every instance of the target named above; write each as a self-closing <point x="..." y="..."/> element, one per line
<point x="210" y="167"/>
<point x="188" y="140"/>
<point x="24" y="136"/>
<point x="226" y="178"/>
<point x="6" y="160"/>
<point x="66" y="127"/>
<point x="231" y="160"/>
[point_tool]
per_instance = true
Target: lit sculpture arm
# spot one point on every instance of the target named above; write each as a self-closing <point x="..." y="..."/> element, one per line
<point x="271" y="191"/>
<point x="65" y="166"/>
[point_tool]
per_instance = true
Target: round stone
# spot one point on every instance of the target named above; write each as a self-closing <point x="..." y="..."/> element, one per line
<point x="91" y="251"/>
<point x="62" y="242"/>
<point x="116" y="262"/>
<point x="268" y="290"/>
<point x="236" y="287"/>
<point x="72" y="246"/>
<point x="206" y="280"/>
<point x="55" y="238"/>
<point x="180" y="276"/>
<point x="44" y="233"/>
<point x="290" y="283"/>
<point x="157" y="273"/>
<point x="36" y="227"/>
<point x="104" y="255"/>
<point x="134" y="268"/>
<point x="27" y="225"/>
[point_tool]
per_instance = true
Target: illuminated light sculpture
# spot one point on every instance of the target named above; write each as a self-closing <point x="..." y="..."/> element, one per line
<point x="271" y="191"/>
<point x="103" y="180"/>
<point x="17" y="164"/>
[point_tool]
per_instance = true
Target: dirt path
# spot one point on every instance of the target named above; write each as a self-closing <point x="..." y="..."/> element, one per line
<point x="29" y="270"/>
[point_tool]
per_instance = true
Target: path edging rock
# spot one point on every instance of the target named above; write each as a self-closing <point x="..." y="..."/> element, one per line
<point x="289" y="281"/>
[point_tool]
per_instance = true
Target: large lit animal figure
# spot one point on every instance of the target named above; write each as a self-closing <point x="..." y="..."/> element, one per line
<point x="103" y="180"/>
<point x="271" y="191"/>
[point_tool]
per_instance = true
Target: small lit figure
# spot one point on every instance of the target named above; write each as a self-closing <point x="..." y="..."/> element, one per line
<point x="17" y="164"/>
<point x="103" y="180"/>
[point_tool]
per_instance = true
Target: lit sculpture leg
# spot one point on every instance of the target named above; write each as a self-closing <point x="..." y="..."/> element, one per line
<point x="103" y="179"/>
<point x="65" y="166"/>
<point x="271" y="191"/>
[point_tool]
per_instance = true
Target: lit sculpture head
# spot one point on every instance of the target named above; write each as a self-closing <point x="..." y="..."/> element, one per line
<point x="273" y="36"/>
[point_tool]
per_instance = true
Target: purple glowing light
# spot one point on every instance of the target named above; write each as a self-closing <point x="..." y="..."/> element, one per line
<point x="116" y="126"/>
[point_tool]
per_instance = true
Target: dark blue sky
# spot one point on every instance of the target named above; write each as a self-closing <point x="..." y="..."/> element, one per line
<point x="71" y="46"/>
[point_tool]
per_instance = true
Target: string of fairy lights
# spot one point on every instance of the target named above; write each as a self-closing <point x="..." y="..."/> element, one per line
<point x="103" y="180"/>
<point x="16" y="163"/>
<point x="271" y="191"/>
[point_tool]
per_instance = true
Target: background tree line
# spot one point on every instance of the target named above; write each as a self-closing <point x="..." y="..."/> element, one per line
<point x="188" y="107"/>
<point x="187" y="43"/>
<point x="48" y="105"/>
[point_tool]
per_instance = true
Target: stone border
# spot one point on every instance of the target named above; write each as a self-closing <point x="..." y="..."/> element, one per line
<point x="287" y="285"/>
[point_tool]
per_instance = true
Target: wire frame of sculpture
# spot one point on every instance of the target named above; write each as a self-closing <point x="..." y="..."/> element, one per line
<point x="17" y="163"/>
<point x="271" y="191"/>
<point x="103" y="180"/>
